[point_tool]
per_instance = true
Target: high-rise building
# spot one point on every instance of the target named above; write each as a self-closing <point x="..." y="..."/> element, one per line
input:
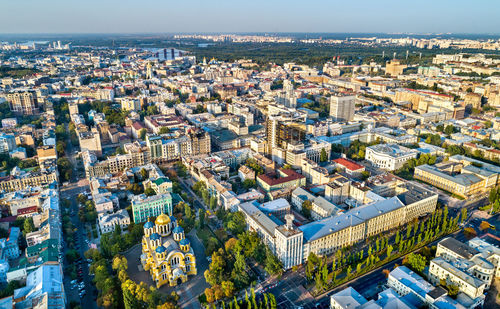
<point x="281" y="131"/>
<point x="23" y="102"/>
<point x="342" y="107"/>
<point x="287" y="98"/>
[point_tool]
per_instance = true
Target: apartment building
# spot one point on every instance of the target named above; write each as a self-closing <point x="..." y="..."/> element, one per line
<point x="27" y="179"/>
<point x="23" y="102"/>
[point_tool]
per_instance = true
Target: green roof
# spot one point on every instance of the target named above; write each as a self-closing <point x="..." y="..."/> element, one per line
<point x="36" y="249"/>
<point x="161" y="180"/>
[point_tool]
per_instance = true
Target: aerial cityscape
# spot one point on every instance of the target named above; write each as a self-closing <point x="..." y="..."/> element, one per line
<point x="216" y="161"/>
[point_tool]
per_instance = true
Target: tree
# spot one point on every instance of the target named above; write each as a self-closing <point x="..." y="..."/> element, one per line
<point x="28" y="226"/>
<point x="228" y="288"/>
<point x="236" y="223"/>
<point x="449" y="129"/>
<point x="463" y="215"/>
<point x="389" y="251"/>
<point x="306" y="208"/>
<point x="149" y="192"/>
<point x="483" y="226"/>
<point x="239" y="273"/>
<point x="164" y="130"/>
<point x="144" y="174"/>
<point x="142" y="134"/>
<point x="323" y="157"/>
<point x="415" y="261"/>
<point x="272" y="265"/>
<point x="201" y="218"/>
<point x="209" y="294"/>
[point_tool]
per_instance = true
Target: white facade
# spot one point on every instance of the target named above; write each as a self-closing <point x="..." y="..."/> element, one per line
<point x="389" y="156"/>
<point x="108" y="222"/>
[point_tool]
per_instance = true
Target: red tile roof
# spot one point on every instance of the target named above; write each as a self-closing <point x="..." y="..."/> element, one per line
<point x="27" y="210"/>
<point x="272" y="180"/>
<point x="348" y="164"/>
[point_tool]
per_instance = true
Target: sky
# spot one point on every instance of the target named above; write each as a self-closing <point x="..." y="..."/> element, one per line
<point x="166" y="16"/>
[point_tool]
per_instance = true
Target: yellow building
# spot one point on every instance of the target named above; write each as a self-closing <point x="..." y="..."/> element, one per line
<point x="394" y="68"/>
<point x="166" y="252"/>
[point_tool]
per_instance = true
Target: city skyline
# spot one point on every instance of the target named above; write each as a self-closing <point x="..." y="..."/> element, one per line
<point x="55" y="16"/>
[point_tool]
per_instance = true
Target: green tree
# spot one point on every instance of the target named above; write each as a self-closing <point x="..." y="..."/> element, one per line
<point x="28" y="226"/>
<point x="449" y="129"/>
<point x="323" y="157"/>
<point x="149" y="192"/>
<point x="416" y="262"/>
<point x="273" y="265"/>
<point x="239" y="273"/>
<point x="142" y="134"/>
<point x="306" y="208"/>
<point x="201" y="218"/>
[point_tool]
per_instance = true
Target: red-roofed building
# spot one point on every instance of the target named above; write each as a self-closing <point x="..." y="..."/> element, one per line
<point x="350" y="167"/>
<point x="283" y="179"/>
<point x="27" y="211"/>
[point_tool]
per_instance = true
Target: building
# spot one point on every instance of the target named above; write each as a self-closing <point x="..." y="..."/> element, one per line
<point x="348" y="298"/>
<point x="7" y="143"/>
<point x="108" y="222"/>
<point x="288" y="243"/>
<point x="394" y="68"/>
<point x="9" y="247"/>
<point x="281" y="131"/>
<point x="144" y="207"/>
<point x="473" y="100"/>
<point x="135" y="155"/>
<point x="27" y="179"/>
<point x="320" y="207"/>
<point x="417" y="291"/>
<point x="326" y="236"/>
<point x="166" y="252"/>
<point x="91" y="141"/>
<point x="44" y="288"/>
<point x="285" y="178"/>
<point x="285" y="241"/>
<point x="130" y="104"/>
<point x="480" y="260"/>
<point x="342" y="107"/>
<point x="441" y="269"/>
<point x="23" y="102"/>
<point x="350" y="167"/>
<point x="460" y="176"/>
<point x="389" y="156"/>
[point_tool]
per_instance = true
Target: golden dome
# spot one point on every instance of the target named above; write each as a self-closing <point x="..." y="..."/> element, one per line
<point x="162" y="219"/>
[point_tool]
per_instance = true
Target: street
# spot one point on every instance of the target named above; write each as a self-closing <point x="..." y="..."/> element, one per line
<point x="88" y="300"/>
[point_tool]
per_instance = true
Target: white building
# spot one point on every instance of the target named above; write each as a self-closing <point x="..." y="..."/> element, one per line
<point x="342" y="107"/>
<point x="389" y="156"/>
<point x="108" y="222"/>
